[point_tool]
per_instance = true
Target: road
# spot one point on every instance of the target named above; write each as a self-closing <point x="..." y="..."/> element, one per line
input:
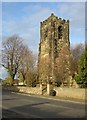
<point x="22" y="106"/>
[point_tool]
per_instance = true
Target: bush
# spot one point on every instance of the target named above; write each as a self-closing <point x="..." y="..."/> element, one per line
<point x="8" y="81"/>
<point x="52" y="92"/>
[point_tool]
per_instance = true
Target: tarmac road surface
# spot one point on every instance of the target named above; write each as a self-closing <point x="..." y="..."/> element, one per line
<point x="22" y="106"/>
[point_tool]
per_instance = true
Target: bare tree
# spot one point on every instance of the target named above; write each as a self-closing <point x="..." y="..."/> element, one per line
<point x="11" y="54"/>
<point x="76" y="53"/>
<point x="27" y="65"/>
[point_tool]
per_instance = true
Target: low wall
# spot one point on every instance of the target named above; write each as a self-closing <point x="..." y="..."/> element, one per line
<point x="31" y="90"/>
<point x="78" y="93"/>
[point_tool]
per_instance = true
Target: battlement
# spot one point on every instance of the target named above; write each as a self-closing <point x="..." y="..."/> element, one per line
<point x="52" y="17"/>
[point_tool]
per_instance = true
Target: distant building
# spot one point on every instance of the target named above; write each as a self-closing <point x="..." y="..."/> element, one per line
<point x="54" y="35"/>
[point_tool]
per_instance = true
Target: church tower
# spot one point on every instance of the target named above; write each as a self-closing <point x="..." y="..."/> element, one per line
<point x="54" y="36"/>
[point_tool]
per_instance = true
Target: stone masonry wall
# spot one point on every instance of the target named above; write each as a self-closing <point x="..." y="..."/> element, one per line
<point x="54" y="36"/>
<point x="30" y="90"/>
<point x="78" y="93"/>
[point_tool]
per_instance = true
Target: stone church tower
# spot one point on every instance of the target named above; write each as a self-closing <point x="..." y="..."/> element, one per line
<point x="54" y="36"/>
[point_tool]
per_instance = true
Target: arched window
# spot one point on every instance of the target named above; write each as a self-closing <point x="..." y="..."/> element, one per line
<point x="60" y="32"/>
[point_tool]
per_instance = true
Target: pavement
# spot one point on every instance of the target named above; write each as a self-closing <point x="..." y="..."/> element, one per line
<point x="22" y="105"/>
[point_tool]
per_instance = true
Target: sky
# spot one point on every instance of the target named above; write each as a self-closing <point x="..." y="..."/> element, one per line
<point x="23" y="18"/>
<point x="43" y="0"/>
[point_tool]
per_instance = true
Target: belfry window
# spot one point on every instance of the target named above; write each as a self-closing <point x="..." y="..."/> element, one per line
<point x="60" y="32"/>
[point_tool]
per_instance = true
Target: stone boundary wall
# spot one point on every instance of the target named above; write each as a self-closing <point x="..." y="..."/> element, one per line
<point x="78" y="93"/>
<point x="31" y="90"/>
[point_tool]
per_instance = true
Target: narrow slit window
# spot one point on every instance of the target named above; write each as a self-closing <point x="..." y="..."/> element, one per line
<point x="60" y="32"/>
<point x="46" y="33"/>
